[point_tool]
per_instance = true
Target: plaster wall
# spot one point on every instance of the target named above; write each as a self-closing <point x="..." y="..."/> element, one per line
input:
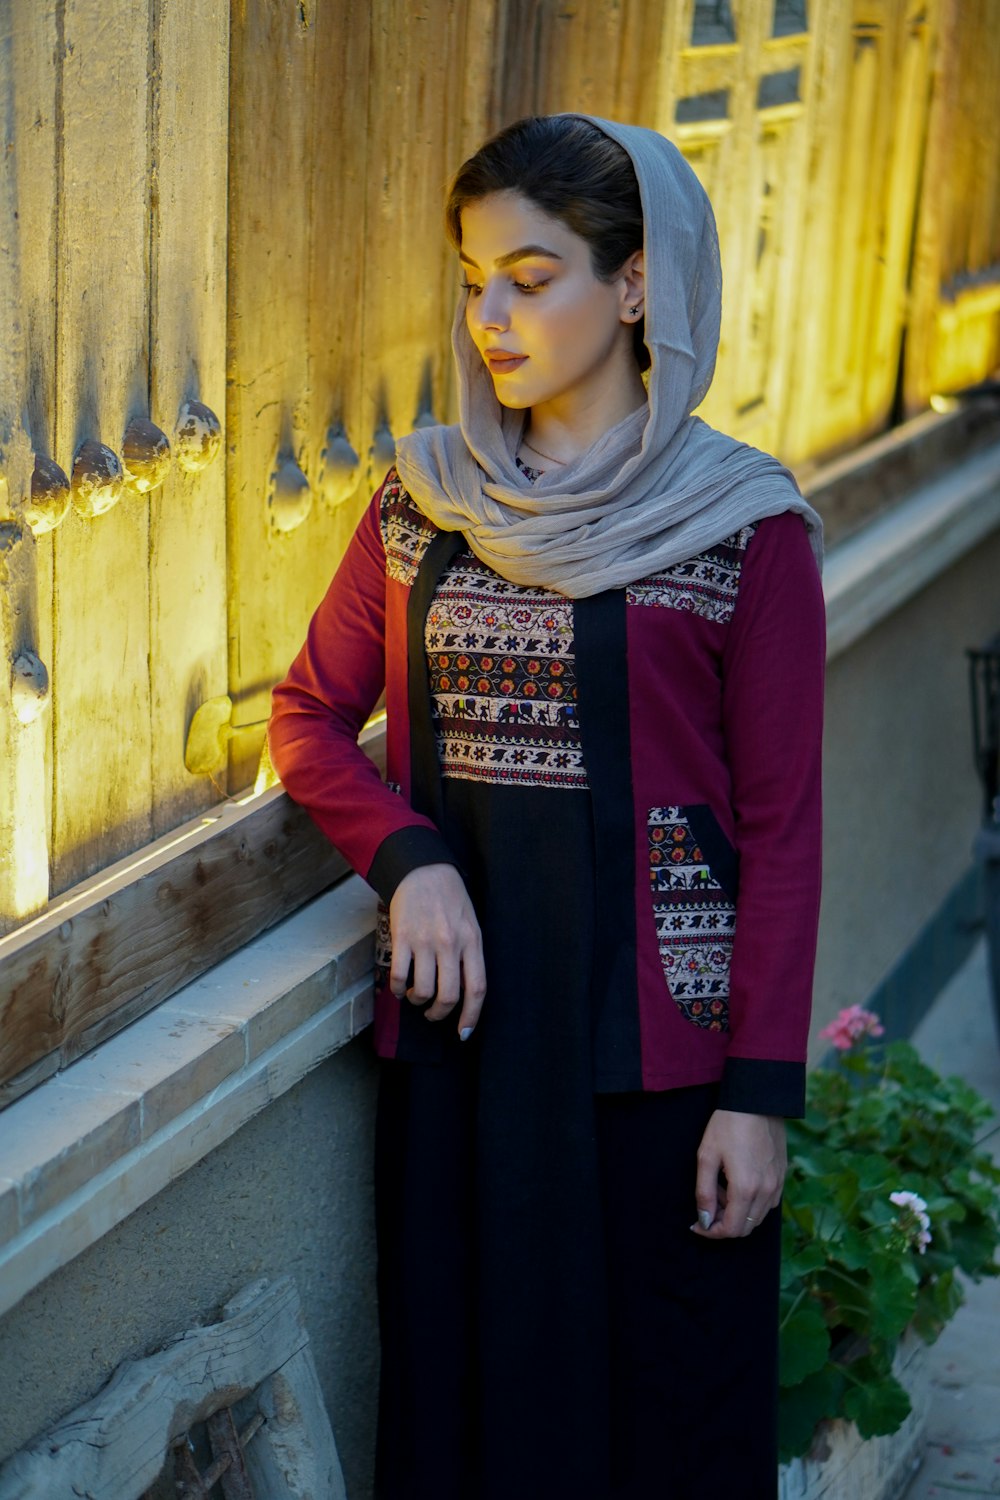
<point x="289" y="1192"/>
<point x="901" y="795"/>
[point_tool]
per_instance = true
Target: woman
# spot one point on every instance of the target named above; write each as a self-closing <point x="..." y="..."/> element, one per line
<point x="599" y="624"/>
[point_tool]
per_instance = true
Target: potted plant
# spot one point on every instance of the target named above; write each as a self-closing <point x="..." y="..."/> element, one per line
<point x="889" y="1194"/>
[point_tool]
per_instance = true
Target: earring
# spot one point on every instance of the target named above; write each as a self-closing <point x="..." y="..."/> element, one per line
<point x="634" y="311"/>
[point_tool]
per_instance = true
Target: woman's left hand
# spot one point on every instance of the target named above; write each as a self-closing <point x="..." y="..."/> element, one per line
<point x="741" y="1171"/>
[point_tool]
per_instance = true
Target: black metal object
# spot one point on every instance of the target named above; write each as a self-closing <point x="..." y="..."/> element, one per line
<point x="984" y="682"/>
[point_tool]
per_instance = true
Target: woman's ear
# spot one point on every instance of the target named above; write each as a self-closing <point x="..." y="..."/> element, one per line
<point x="633" y="282"/>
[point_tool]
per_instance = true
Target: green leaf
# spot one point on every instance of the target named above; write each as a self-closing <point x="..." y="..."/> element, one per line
<point x="937" y="1302"/>
<point x="802" y="1407"/>
<point x="815" y="1159"/>
<point x="810" y="1192"/>
<point x="973" y="1242"/>
<point x="921" y="1154"/>
<point x="804" y="1344"/>
<point x="877" y="1406"/>
<point x="894" y="1296"/>
<point x="876" y="1174"/>
<point x="947" y="1295"/>
<point x="802" y="1261"/>
<point x="944" y="1205"/>
<point x="849" y="1297"/>
<point x="855" y="1249"/>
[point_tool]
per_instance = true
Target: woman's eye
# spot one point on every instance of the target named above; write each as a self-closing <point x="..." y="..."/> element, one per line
<point x="525" y="287"/>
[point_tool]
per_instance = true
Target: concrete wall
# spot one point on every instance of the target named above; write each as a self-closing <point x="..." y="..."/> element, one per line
<point x="902" y="799"/>
<point x="290" y="1191"/>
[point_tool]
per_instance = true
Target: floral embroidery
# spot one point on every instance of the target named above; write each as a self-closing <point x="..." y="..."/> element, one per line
<point x="695" y="920"/>
<point x="406" y="533"/>
<point x="705" y="585"/>
<point x="503" y="680"/>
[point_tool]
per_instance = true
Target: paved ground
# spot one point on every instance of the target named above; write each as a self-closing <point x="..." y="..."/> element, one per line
<point x="962" y="1456"/>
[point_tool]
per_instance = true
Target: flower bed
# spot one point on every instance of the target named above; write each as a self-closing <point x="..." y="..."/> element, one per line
<point x="842" y="1465"/>
<point x="888" y="1195"/>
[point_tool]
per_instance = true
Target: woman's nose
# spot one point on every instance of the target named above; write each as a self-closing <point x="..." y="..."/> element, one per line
<point x="490" y="308"/>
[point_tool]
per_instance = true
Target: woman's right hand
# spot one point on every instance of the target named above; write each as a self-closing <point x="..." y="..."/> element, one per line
<point x="434" y="927"/>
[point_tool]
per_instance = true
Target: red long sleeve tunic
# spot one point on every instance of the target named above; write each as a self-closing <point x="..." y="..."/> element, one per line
<point x="698" y="699"/>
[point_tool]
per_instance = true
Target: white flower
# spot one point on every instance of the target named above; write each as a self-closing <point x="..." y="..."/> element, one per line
<point x="915" y="1222"/>
<point x="909" y="1200"/>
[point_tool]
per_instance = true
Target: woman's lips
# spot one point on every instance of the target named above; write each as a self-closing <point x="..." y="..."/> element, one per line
<point x="500" y="363"/>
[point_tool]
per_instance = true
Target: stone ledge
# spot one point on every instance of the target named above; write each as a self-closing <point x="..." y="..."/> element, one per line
<point x="852" y="489"/>
<point x="87" y="1148"/>
<point x="873" y="572"/>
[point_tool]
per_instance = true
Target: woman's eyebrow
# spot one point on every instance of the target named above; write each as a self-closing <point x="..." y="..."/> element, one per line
<point x="514" y="255"/>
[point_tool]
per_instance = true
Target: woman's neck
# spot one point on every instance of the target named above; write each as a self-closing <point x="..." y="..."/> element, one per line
<point x="561" y="436"/>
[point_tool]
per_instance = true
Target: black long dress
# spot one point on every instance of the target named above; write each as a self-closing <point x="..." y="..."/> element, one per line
<point x="550" y="1326"/>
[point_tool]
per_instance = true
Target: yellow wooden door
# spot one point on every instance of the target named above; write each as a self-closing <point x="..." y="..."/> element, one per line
<point x="954" y="337"/>
<point x="346" y="122"/>
<point x="115" y="245"/>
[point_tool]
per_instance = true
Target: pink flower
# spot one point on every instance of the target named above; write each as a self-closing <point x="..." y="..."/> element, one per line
<point x="850" y="1025"/>
<point x="915" y="1222"/>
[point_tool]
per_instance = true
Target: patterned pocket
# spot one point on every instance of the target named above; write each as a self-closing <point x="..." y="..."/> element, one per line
<point x="695" y="914"/>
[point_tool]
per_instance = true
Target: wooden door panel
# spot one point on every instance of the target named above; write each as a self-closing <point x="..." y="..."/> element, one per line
<point x="870" y="82"/>
<point x="601" y="58"/>
<point x="189" y="123"/>
<point x="339" y="417"/>
<point x="345" y="128"/>
<point x="101" y="632"/>
<point x="435" y="74"/>
<point x="27" y="379"/>
<point x="954" y="332"/>
<point x="271" y="592"/>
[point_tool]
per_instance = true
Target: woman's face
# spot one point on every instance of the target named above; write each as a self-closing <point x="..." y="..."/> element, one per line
<point x="550" y="333"/>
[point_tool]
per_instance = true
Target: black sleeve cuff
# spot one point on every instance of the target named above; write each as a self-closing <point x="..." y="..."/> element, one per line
<point x="758" y="1086"/>
<point x="405" y="850"/>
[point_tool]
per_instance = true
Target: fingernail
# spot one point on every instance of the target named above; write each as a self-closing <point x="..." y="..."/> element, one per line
<point x="465" y="1033"/>
<point x="704" y="1218"/>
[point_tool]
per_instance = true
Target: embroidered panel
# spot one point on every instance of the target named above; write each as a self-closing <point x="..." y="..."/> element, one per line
<point x="406" y="534"/>
<point x="695" y="920"/>
<point x="706" y="585"/>
<point x="503" y="680"/>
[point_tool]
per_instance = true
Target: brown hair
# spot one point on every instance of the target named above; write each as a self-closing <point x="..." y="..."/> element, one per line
<point x="570" y="170"/>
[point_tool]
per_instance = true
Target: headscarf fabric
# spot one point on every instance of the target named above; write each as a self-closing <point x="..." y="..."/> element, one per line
<point x="656" y="489"/>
